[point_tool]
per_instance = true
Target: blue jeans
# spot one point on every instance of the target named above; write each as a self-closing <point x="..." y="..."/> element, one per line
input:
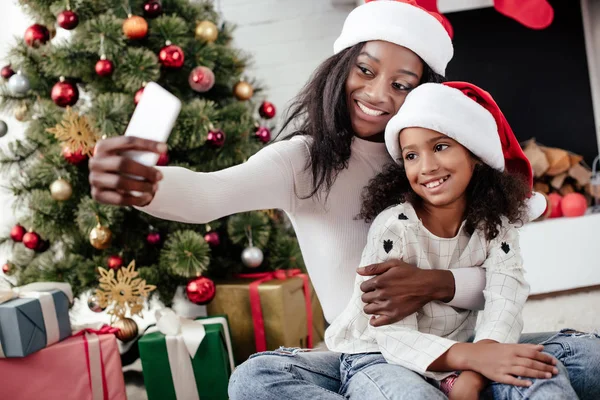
<point x="297" y="374"/>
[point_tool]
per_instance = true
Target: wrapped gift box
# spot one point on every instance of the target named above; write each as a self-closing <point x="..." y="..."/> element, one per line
<point x="82" y="367"/>
<point x="23" y="324"/>
<point x="164" y="366"/>
<point x="284" y="313"/>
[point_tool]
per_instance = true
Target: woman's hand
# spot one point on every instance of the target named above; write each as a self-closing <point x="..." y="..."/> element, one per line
<point x="468" y="386"/>
<point x="111" y="173"/>
<point x="504" y="363"/>
<point x="401" y="289"/>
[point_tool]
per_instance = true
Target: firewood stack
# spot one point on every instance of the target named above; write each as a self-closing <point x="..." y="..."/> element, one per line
<point x="557" y="170"/>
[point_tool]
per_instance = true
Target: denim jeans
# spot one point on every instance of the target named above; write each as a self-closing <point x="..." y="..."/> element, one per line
<point x="300" y="374"/>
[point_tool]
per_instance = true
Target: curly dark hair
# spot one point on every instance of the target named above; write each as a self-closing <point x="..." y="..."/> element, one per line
<point x="491" y="195"/>
<point x="321" y="112"/>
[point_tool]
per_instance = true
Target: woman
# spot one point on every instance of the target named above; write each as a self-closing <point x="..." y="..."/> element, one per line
<point x="386" y="48"/>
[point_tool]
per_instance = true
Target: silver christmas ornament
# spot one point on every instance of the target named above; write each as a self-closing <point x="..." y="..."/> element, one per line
<point x="252" y="257"/>
<point x="18" y="84"/>
<point x="3" y="128"/>
<point x="94" y="304"/>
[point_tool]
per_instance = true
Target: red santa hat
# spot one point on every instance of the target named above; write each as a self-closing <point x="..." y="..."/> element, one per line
<point x="404" y="23"/>
<point x="469" y="115"/>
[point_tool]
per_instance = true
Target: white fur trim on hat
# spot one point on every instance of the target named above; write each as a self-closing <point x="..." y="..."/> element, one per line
<point x="449" y="111"/>
<point x="400" y="23"/>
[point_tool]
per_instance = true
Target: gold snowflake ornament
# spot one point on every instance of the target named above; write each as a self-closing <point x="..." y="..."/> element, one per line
<point x="75" y="130"/>
<point x="124" y="292"/>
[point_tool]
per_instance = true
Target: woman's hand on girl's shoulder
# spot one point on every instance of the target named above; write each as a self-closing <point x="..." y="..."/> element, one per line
<point x="114" y="176"/>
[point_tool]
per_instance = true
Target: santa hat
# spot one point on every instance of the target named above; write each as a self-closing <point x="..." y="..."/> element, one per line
<point x="401" y="22"/>
<point x="469" y="115"/>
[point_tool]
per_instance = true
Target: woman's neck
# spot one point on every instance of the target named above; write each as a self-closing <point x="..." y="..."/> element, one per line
<point x="377" y="138"/>
<point x="442" y="221"/>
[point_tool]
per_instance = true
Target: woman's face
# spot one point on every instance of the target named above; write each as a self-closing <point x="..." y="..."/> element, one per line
<point x="438" y="168"/>
<point x="383" y="75"/>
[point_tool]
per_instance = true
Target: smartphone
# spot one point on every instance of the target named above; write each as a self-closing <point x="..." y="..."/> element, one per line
<point x="153" y="119"/>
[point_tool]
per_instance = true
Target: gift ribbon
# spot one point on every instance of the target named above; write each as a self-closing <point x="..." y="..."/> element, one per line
<point x="257" y="314"/>
<point x="40" y="291"/>
<point x="93" y="355"/>
<point x="183" y="337"/>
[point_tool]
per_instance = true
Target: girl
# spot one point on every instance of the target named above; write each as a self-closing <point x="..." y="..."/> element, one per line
<point x="386" y="49"/>
<point x="458" y="207"/>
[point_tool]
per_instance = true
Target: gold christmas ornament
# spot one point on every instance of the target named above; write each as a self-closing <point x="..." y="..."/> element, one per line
<point x="135" y="27"/>
<point x="128" y="329"/>
<point x="206" y="31"/>
<point x="243" y="90"/>
<point x="100" y="236"/>
<point x="75" y="131"/>
<point x="20" y="113"/>
<point x="123" y="292"/>
<point x="61" y="190"/>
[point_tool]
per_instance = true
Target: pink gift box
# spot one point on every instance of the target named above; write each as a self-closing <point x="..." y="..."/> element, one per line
<point x="62" y="371"/>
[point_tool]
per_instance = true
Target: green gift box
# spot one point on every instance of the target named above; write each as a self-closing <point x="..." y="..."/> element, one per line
<point x="165" y="364"/>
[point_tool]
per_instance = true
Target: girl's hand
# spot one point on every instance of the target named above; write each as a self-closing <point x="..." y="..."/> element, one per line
<point x="503" y="363"/>
<point x="468" y="386"/>
<point x="111" y="173"/>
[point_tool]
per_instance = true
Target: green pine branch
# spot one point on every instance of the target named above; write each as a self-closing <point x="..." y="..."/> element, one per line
<point x="186" y="254"/>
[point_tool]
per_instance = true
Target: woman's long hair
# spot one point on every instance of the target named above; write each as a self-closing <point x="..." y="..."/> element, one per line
<point x="491" y="195"/>
<point x="321" y="112"/>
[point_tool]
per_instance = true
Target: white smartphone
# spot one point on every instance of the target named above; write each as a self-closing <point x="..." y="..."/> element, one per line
<point x="153" y="119"/>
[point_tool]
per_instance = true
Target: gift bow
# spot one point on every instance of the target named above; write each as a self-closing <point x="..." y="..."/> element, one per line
<point x="183" y="336"/>
<point x="260" y="338"/>
<point x="40" y="291"/>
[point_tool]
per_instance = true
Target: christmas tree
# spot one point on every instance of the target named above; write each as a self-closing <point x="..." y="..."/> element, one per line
<point x="73" y="92"/>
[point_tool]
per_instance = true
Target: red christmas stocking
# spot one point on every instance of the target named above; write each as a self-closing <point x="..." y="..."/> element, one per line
<point x="431" y="5"/>
<point x="534" y="14"/>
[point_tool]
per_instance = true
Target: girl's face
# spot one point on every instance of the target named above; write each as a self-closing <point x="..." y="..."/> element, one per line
<point x="377" y="86"/>
<point x="438" y="168"/>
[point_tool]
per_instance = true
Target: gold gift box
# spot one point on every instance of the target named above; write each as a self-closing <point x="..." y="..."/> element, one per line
<point x="284" y="314"/>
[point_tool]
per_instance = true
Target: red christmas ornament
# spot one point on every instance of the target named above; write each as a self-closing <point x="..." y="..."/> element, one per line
<point x="43" y="246"/>
<point x="212" y="238"/>
<point x="31" y="240"/>
<point x="152" y="9"/>
<point x="67" y="20"/>
<point x="216" y="138"/>
<point x="6" y="268"/>
<point x="64" y="93"/>
<point x="115" y="262"/>
<point x="574" y="205"/>
<point x="171" y="56"/>
<point x="104" y="67"/>
<point x="153" y="238"/>
<point x="555" y="205"/>
<point x="200" y="290"/>
<point x="201" y="79"/>
<point x="267" y="110"/>
<point x="263" y="134"/>
<point x="73" y="157"/>
<point x="36" y="35"/>
<point x="138" y="96"/>
<point x="17" y="232"/>
<point x="7" y="72"/>
<point x="163" y="159"/>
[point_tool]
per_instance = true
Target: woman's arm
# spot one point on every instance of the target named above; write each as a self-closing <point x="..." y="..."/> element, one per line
<point x="269" y="179"/>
